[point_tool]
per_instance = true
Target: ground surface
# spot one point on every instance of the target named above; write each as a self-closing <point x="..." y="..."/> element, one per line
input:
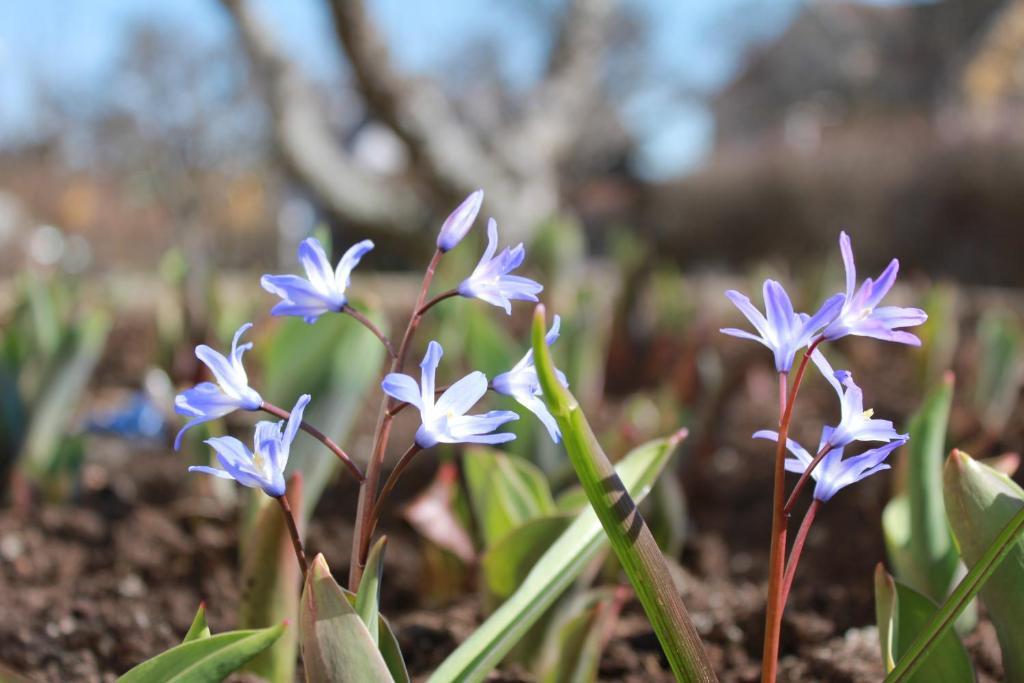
<point x="89" y="590"/>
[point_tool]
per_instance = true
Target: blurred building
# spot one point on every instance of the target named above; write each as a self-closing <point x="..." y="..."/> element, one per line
<point x="842" y="64"/>
<point x="902" y="124"/>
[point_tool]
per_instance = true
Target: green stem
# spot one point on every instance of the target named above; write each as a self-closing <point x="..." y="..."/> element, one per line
<point x="629" y="535"/>
<point x="965" y="591"/>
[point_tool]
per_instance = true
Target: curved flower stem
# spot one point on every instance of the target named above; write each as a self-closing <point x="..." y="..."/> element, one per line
<point x="802" y="481"/>
<point x="392" y="480"/>
<point x="798" y="548"/>
<point x="436" y="300"/>
<point x="368" y="491"/>
<point x="417" y="314"/>
<point x="776" y="563"/>
<point x="372" y="328"/>
<point x="293" y="531"/>
<point x="319" y="436"/>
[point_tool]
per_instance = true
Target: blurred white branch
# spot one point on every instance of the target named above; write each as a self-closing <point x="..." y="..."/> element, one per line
<point x="517" y="165"/>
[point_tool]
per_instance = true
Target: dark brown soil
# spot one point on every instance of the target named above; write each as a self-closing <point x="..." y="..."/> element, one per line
<point x="92" y="589"/>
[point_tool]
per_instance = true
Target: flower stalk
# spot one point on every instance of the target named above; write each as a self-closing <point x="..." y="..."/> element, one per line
<point x="368" y="491"/>
<point x="798" y="548"/>
<point x="293" y="531"/>
<point x="319" y="436"/>
<point x="776" y="563"/>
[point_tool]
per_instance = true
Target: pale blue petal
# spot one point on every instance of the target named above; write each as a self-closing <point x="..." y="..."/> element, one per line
<point x="210" y="470"/>
<point x="318" y="268"/>
<point x="402" y="388"/>
<point x="536" y="405"/>
<point x="428" y="372"/>
<point x="463" y="395"/>
<point x="350" y="260"/>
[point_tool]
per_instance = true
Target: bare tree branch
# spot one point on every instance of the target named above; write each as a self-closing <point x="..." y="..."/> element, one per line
<point x="443" y="150"/>
<point x="550" y="124"/>
<point x="308" y="145"/>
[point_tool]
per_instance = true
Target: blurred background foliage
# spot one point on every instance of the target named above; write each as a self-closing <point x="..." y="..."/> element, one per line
<point x="156" y="158"/>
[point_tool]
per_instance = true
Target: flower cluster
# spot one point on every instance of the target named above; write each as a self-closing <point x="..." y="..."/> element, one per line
<point x="443" y="418"/>
<point x="856" y="312"/>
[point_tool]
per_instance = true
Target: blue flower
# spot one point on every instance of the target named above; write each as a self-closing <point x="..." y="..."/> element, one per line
<point x="860" y="315"/>
<point x="833" y="472"/>
<point x="445" y="421"/>
<point x="460" y="221"/>
<point x="784" y="331"/>
<point x="522" y="384"/>
<point x="856" y="423"/>
<point x="208" y="401"/>
<point x="324" y="290"/>
<point x="490" y="280"/>
<point x="263" y="467"/>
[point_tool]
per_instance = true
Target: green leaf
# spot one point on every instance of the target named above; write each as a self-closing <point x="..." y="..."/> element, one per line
<point x="553" y="573"/>
<point x="918" y="539"/>
<point x="52" y="411"/>
<point x="506" y="564"/>
<point x="206" y="660"/>
<point x="271" y="580"/>
<point x="504" y="491"/>
<point x="576" y="639"/>
<point x="368" y="597"/>
<point x="630" y="537"/>
<point x="336" y="645"/>
<point x="1006" y="542"/>
<point x="199" y="628"/>
<point x="902" y="613"/>
<point x="980" y="502"/>
<point x="998" y="379"/>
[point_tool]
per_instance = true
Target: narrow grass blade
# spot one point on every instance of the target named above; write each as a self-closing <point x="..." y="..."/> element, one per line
<point x="902" y="612"/>
<point x="630" y="537"/>
<point x="207" y="660"/>
<point x="199" y="628"/>
<point x="981" y="570"/>
<point x="368" y="597"/>
<point x="552" y="574"/>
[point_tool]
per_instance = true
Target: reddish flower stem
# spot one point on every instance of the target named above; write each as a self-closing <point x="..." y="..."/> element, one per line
<point x="368" y="491"/>
<point x="776" y="563"/>
<point x="319" y="436"/>
<point x="392" y="479"/>
<point x="798" y="548"/>
<point x="293" y="531"/>
<point x="372" y="328"/>
<point x="436" y="300"/>
<point x="804" y="477"/>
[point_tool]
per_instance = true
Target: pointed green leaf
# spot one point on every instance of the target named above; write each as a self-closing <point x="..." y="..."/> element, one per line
<point x="368" y="597"/>
<point x="630" y="537"/>
<point x="918" y="539"/>
<point x="980" y="502"/>
<point x="505" y="564"/>
<point x="902" y="614"/>
<point x="206" y="660"/>
<point x="504" y="491"/>
<point x="271" y="580"/>
<point x="336" y="646"/>
<point x="199" y="628"/>
<point x="553" y="573"/>
<point x="576" y="638"/>
<point x="388" y="645"/>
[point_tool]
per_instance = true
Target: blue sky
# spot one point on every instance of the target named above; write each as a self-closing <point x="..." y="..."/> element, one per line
<point x="70" y="44"/>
